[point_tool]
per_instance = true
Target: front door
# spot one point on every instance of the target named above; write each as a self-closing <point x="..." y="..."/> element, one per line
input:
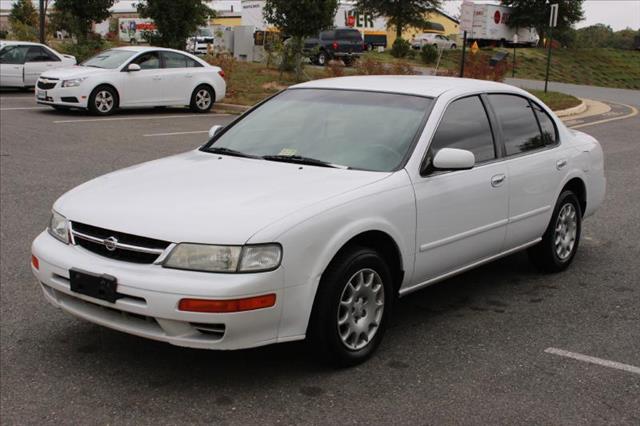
<point x="461" y="215"/>
<point x="146" y="87"/>
<point x="38" y="60"/>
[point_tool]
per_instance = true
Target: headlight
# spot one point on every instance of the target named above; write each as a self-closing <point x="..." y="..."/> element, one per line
<point x="209" y="258"/>
<point x="59" y="227"/>
<point x="73" y="82"/>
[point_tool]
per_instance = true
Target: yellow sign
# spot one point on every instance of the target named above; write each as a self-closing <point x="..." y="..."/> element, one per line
<point x="474" y="47"/>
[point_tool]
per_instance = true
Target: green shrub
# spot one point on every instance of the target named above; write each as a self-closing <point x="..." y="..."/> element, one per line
<point x="83" y="51"/>
<point x="23" y="32"/>
<point x="400" y="48"/>
<point x="428" y="54"/>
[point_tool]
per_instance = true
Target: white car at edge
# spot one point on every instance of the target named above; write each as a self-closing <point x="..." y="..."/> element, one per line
<point x="310" y="214"/>
<point x="133" y="77"/>
<point x="22" y="62"/>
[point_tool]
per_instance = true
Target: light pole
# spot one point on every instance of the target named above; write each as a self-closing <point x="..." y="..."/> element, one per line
<point x="42" y="17"/>
<point x="553" y="20"/>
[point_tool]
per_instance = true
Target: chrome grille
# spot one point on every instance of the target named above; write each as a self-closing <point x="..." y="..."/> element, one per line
<point x="46" y="85"/>
<point x="117" y="245"/>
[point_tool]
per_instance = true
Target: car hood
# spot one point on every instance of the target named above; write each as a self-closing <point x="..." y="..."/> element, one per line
<point x="205" y="198"/>
<point x="75" y="71"/>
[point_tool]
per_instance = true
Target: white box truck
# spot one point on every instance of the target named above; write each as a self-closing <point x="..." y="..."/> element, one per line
<point x="488" y="25"/>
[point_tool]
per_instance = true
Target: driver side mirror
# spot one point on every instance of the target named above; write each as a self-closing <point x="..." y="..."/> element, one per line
<point x="214" y="130"/>
<point x="133" y="67"/>
<point x="449" y="159"/>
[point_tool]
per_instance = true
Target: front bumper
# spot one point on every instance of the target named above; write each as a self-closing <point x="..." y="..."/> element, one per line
<point x="64" y="96"/>
<point x="149" y="307"/>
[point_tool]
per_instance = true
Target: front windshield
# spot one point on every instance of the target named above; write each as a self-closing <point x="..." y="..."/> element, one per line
<point x="205" y="32"/>
<point x="109" y="59"/>
<point x="355" y="129"/>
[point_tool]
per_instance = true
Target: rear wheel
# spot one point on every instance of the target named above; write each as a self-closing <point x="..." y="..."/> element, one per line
<point x="202" y="99"/>
<point x="103" y="100"/>
<point x="560" y="241"/>
<point x="348" y="61"/>
<point x="322" y="58"/>
<point x="352" y="307"/>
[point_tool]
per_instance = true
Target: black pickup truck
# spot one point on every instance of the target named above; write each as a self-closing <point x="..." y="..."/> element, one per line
<point x="340" y="43"/>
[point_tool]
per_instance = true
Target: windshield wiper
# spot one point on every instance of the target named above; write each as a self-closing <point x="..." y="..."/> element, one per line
<point x="229" y="151"/>
<point x="302" y="160"/>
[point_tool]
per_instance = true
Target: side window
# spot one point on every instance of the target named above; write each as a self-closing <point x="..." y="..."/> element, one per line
<point x="37" y="54"/>
<point x="14" y="55"/>
<point x="148" y="61"/>
<point x="174" y="60"/>
<point x="327" y="35"/>
<point x="519" y="126"/>
<point x="465" y="125"/>
<point x="547" y="125"/>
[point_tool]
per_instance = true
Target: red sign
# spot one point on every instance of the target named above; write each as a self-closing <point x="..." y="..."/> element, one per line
<point x="351" y="20"/>
<point x="496" y="17"/>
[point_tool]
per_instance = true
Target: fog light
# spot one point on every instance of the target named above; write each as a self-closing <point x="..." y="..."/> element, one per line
<point x="226" y="306"/>
<point x="35" y="262"/>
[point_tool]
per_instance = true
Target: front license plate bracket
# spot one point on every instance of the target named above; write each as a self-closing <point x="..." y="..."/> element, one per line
<point x="103" y="287"/>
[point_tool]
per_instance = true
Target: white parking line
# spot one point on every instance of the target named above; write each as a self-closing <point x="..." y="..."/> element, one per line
<point x="593" y="360"/>
<point x="153" y="117"/>
<point x="14" y="109"/>
<point x="175" y="133"/>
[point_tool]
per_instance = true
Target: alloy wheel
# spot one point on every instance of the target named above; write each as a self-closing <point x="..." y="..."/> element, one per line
<point x="566" y="231"/>
<point x="104" y="101"/>
<point x="203" y="99"/>
<point x="360" y="309"/>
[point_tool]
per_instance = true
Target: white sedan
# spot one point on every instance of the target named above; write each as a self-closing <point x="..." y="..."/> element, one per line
<point x="22" y="62"/>
<point x="311" y="214"/>
<point x="133" y="77"/>
<point x="437" y="40"/>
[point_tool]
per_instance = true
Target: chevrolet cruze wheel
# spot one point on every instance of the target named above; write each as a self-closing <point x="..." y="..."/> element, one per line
<point x="352" y="305"/>
<point x="202" y="99"/>
<point x="560" y="241"/>
<point x="103" y="100"/>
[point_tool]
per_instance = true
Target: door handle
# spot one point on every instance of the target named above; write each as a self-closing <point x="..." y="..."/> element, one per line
<point x="498" y="180"/>
<point x="189" y="75"/>
<point x="157" y="77"/>
<point x="560" y="164"/>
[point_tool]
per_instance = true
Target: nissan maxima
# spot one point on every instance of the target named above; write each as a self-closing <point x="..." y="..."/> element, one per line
<point x="133" y="77"/>
<point x="311" y="214"/>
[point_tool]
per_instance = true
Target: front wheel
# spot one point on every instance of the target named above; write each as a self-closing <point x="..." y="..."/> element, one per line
<point x="321" y="59"/>
<point x="103" y="100"/>
<point x="352" y="307"/>
<point x="560" y="241"/>
<point x="202" y="99"/>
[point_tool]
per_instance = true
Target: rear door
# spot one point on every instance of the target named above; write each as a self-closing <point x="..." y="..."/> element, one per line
<point x="536" y="165"/>
<point x="38" y="60"/>
<point x="12" y="65"/>
<point x="180" y="75"/>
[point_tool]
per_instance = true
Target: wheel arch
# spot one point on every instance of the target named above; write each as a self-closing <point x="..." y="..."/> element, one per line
<point x="110" y="85"/>
<point x="578" y="187"/>
<point x="204" y="83"/>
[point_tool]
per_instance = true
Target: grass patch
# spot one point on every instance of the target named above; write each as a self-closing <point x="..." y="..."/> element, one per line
<point x="593" y="66"/>
<point x="555" y="100"/>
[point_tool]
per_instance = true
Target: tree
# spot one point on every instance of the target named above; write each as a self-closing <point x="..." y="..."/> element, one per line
<point x="300" y="19"/>
<point x="24" y="13"/>
<point x="176" y="20"/>
<point x="401" y="14"/>
<point x="535" y="13"/>
<point x="77" y="16"/>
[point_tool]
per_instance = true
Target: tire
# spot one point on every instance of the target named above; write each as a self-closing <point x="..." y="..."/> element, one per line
<point x="103" y="100"/>
<point x="340" y="316"/>
<point x="202" y="99"/>
<point x="348" y="62"/>
<point x="370" y="47"/>
<point x="561" y="239"/>
<point x="453" y="46"/>
<point x="322" y="58"/>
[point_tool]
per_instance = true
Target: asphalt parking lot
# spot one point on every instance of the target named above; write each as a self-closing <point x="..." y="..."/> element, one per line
<point x="484" y="347"/>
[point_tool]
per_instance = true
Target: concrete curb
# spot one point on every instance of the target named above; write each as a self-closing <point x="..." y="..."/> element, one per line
<point x="578" y="109"/>
<point x="240" y="108"/>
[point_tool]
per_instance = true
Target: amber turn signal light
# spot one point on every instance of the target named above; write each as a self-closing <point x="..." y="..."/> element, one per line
<point x="226" y="306"/>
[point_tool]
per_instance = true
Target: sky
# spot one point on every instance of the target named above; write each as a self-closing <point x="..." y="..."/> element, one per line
<point x="619" y="14"/>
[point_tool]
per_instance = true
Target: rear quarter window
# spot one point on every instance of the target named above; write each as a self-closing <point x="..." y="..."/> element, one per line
<point x="518" y="122"/>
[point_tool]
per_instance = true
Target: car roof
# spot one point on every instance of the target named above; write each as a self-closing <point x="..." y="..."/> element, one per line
<point x="14" y="42"/>
<point x="145" y="48"/>
<point x="430" y="86"/>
